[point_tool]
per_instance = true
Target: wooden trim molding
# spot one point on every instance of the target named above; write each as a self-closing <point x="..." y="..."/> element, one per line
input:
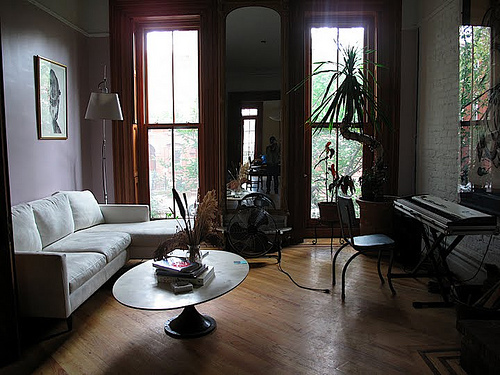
<point x="122" y="73"/>
<point x="10" y="340"/>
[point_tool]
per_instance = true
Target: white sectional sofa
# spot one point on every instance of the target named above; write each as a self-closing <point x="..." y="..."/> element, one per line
<point x="67" y="246"/>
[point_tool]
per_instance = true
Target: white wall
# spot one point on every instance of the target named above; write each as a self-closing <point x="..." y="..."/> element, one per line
<point x="437" y="147"/>
<point x="438" y="142"/>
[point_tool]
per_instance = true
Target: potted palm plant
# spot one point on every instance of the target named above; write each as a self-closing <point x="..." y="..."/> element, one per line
<point x="349" y="103"/>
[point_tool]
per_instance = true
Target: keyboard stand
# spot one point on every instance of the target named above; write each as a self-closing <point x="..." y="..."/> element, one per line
<point x="436" y="254"/>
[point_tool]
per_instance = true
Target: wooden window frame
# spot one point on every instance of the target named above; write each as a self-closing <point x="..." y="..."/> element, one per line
<point x="258" y="125"/>
<point x="141" y="30"/>
<point x="338" y="21"/>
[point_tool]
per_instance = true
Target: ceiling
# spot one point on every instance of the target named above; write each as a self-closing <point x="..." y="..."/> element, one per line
<point x="90" y="16"/>
<point x="253" y="34"/>
<point x="253" y="40"/>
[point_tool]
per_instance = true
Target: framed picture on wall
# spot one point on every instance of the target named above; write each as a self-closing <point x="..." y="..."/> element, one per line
<point x="51" y="99"/>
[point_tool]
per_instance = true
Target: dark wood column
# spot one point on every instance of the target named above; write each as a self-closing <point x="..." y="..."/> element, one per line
<point x="9" y="334"/>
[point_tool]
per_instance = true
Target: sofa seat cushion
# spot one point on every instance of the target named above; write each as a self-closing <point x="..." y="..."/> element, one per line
<point x="109" y="245"/>
<point x="143" y="234"/>
<point x="82" y="266"/>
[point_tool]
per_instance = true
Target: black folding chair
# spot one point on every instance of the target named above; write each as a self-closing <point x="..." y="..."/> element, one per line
<point x="380" y="243"/>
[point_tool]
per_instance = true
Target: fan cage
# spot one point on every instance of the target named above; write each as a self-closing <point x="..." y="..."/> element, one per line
<point x="252" y="232"/>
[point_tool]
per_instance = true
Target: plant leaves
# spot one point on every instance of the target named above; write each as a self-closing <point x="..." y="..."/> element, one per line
<point x="178" y="200"/>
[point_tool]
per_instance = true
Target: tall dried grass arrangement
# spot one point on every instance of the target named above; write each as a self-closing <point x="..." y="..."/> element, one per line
<point x="194" y="231"/>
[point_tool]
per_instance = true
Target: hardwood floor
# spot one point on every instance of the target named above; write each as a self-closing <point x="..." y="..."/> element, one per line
<point x="267" y="325"/>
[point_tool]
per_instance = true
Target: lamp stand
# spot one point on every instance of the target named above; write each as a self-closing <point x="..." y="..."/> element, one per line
<point x="103" y="166"/>
<point x="104" y="106"/>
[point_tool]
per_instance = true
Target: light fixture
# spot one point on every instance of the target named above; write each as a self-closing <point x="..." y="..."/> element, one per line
<point x="104" y="106"/>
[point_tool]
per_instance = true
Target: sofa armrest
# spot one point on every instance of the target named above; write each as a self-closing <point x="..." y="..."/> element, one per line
<point x="124" y="213"/>
<point x="43" y="286"/>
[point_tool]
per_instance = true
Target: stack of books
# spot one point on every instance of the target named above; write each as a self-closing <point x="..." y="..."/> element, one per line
<point x="175" y="269"/>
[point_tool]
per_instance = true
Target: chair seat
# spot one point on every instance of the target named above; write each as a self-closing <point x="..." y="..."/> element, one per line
<point x="372" y="240"/>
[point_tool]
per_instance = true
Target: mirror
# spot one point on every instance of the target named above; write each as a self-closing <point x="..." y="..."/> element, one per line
<point x="253" y="88"/>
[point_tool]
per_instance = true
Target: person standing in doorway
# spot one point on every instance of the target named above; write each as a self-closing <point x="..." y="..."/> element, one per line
<point x="273" y="165"/>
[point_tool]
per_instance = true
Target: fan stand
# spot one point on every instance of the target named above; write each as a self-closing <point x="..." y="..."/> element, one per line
<point x="276" y="254"/>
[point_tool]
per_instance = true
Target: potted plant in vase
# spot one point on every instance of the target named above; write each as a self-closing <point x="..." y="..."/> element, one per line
<point x="202" y="228"/>
<point x="349" y="103"/>
<point x="332" y="182"/>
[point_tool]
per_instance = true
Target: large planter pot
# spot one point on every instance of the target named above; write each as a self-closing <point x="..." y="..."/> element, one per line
<point x="376" y="217"/>
<point x="328" y="212"/>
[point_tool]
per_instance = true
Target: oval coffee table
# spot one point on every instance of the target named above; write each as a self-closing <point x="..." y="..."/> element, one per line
<point x="139" y="289"/>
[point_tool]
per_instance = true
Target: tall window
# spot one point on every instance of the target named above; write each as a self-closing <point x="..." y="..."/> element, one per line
<point x="326" y="44"/>
<point x="249" y="118"/>
<point x="475" y="68"/>
<point x="172" y="114"/>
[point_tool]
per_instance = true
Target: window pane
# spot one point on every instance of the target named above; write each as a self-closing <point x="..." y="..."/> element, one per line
<point x="465" y="151"/>
<point x="249" y="111"/>
<point x="248" y="139"/>
<point x="172" y="76"/>
<point x="159" y="74"/>
<point x="160" y="172"/>
<point x="323" y="49"/>
<point x="186" y="163"/>
<point x="352" y="36"/>
<point x="186" y="76"/>
<point x="349" y="163"/>
<point x="474" y="71"/>
<point x="475" y="67"/>
<point x="327" y="44"/>
<point x="167" y="170"/>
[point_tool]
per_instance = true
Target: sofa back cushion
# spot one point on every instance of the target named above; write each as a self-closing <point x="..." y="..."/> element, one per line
<point x="85" y="209"/>
<point x="53" y="218"/>
<point x="25" y="231"/>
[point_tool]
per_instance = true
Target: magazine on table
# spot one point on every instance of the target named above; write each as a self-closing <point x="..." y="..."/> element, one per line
<point x="177" y="264"/>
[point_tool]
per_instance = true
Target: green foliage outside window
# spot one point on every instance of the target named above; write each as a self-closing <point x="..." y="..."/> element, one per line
<point x="474" y="71"/>
<point x="474" y="86"/>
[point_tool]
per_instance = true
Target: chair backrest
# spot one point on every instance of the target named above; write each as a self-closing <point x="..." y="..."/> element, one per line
<point x="347" y="217"/>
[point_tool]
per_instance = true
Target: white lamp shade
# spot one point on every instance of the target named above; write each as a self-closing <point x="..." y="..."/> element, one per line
<point x="104" y="106"/>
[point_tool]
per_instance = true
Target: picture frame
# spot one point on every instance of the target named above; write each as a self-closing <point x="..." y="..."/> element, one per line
<point x="51" y="98"/>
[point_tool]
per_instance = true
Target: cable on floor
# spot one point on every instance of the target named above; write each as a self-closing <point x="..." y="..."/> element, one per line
<point x="297" y="284"/>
